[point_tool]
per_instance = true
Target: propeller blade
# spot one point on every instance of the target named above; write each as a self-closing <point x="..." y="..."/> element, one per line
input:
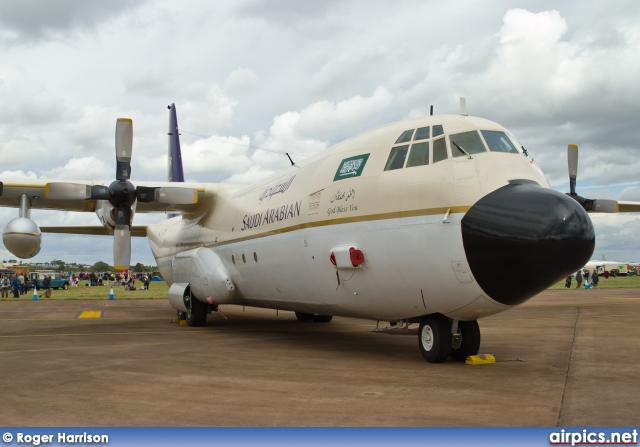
<point x="122" y="247"/>
<point x="67" y="191"/>
<point x="100" y="193"/>
<point x="75" y="191"/>
<point x="572" y="157"/>
<point x="124" y="148"/>
<point x="123" y="216"/>
<point x="168" y="194"/>
<point x="604" y="206"/>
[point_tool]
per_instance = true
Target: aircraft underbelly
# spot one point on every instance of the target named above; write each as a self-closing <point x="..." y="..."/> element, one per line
<point x="412" y="266"/>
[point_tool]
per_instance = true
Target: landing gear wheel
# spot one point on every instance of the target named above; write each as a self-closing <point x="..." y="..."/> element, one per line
<point x="434" y="338"/>
<point x="468" y="343"/>
<point x="322" y="318"/>
<point x="181" y="315"/>
<point x="304" y="316"/>
<point x="196" y="312"/>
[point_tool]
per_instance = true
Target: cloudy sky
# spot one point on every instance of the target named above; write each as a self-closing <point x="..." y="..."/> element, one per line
<point x="250" y="77"/>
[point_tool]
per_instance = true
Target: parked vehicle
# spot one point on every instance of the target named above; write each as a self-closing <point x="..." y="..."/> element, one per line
<point x="57" y="281"/>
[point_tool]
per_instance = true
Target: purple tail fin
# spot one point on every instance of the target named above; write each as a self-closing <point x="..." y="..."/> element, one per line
<point x="176" y="173"/>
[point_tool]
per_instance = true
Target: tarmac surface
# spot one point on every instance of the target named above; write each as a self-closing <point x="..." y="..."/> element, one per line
<point x="566" y="358"/>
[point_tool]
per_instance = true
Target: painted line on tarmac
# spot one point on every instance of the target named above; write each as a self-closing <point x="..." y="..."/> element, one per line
<point x="90" y="314"/>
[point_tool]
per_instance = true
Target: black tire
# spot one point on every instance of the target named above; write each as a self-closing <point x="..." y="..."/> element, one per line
<point x="196" y="312"/>
<point x="434" y="338"/>
<point x="469" y="341"/>
<point x="181" y="315"/>
<point x="322" y="318"/>
<point x="304" y="316"/>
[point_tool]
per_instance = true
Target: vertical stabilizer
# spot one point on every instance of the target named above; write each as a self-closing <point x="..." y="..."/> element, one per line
<point x="176" y="173"/>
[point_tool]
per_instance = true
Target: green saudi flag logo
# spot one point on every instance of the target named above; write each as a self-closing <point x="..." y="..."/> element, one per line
<point x="351" y="167"/>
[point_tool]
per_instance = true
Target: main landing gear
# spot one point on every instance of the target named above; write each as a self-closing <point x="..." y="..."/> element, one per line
<point x="439" y="339"/>
<point x="196" y="314"/>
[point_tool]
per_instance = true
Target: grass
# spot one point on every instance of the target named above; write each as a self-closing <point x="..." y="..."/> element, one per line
<point x="157" y="290"/>
<point x="619" y="282"/>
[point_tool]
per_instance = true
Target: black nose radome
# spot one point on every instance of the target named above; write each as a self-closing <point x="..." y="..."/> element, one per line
<point x="522" y="238"/>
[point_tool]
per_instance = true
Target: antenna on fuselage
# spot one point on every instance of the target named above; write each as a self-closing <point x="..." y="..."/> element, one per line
<point x="463" y="106"/>
<point x="289" y="157"/>
<point x="431" y="110"/>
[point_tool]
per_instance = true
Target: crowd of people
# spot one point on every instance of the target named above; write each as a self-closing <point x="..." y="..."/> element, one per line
<point x="116" y="279"/>
<point x="591" y="279"/>
<point x="18" y="284"/>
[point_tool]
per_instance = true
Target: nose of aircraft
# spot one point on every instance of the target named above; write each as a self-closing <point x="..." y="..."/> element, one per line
<point x="522" y="238"/>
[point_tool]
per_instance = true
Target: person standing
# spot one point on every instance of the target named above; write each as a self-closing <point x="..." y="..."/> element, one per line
<point x="579" y="278"/>
<point x="567" y="283"/>
<point x="16" y="287"/>
<point x="21" y="283"/>
<point x="5" y="287"/>
<point x="46" y="285"/>
<point x="595" y="279"/>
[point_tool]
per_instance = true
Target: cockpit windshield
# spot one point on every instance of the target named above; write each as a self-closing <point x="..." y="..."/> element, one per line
<point x="470" y="143"/>
<point x="498" y="141"/>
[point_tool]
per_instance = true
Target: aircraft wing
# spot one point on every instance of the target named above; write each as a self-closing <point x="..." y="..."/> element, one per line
<point x="38" y="192"/>
<point x="136" y="230"/>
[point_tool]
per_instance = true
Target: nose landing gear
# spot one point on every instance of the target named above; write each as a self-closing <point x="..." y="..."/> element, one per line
<point x="438" y="338"/>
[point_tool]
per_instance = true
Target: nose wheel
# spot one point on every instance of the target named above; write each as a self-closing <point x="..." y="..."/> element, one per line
<point x="434" y="337"/>
<point x="466" y="341"/>
<point x="437" y="342"/>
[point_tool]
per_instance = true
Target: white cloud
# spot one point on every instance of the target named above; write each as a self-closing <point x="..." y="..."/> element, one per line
<point x="239" y="80"/>
<point x="216" y="157"/>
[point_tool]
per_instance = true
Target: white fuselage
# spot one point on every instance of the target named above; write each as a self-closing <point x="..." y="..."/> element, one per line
<point x="275" y="237"/>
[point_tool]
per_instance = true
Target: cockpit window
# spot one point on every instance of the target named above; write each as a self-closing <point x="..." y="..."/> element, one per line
<point x="406" y="136"/>
<point x="397" y="157"/>
<point x="439" y="150"/>
<point x="470" y="142"/>
<point x="422" y="133"/>
<point x="437" y="130"/>
<point x="498" y="141"/>
<point x="419" y="154"/>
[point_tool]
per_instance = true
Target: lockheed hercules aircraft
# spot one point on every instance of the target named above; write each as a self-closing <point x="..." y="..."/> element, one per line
<point x="428" y="221"/>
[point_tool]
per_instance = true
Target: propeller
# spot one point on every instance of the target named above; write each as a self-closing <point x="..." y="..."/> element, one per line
<point x="590" y="205"/>
<point x="122" y="194"/>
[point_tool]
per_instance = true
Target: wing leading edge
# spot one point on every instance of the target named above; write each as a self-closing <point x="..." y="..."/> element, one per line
<point x="36" y="191"/>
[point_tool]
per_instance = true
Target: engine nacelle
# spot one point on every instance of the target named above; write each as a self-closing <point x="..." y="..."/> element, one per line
<point x="22" y="237"/>
<point x="107" y="212"/>
<point x="201" y="271"/>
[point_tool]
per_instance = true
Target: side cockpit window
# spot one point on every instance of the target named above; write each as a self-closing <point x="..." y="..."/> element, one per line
<point x="439" y="150"/>
<point x="419" y="152"/>
<point x="498" y="141"/>
<point x="422" y="133"/>
<point x="396" y="157"/>
<point x="406" y="136"/>
<point x="419" y="155"/>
